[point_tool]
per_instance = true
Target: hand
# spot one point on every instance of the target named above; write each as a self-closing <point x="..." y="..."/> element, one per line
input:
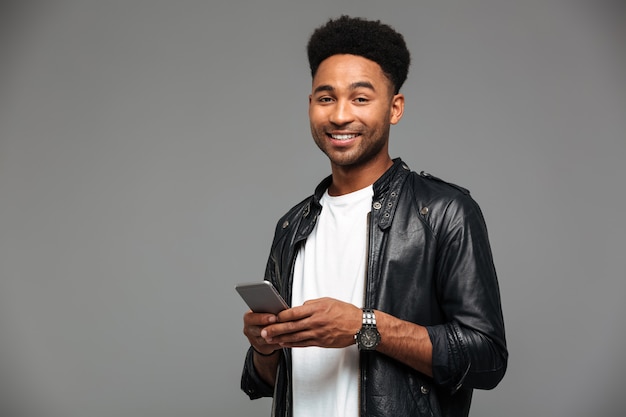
<point x="323" y="322"/>
<point x="253" y="324"/>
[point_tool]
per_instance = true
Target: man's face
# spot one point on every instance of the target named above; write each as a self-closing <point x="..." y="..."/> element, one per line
<point x="351" y="108"/>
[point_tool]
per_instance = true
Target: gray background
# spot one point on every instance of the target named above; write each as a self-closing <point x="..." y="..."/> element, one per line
<point x="148" y="147"/>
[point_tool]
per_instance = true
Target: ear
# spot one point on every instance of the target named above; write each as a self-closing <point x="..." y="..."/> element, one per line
<point x="397" y="108"/>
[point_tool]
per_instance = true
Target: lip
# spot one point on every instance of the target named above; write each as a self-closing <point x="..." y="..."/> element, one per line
<point x="342" y="139"/>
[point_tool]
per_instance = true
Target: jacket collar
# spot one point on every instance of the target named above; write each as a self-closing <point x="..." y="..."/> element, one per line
<point x="381" y="185"/>
<point x="386" y="188"/>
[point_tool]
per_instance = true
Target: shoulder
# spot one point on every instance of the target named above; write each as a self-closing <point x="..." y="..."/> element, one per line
<point x="297" y="221"/>
<point x="428" y="188"/>
<point x="302" y="210"/>
<point x="294" y="213"/>
<point x="441" y="202"/>
<point x="427" y="181"/>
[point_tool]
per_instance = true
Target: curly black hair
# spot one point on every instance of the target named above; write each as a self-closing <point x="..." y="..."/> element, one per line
<point x="373" y="40"/>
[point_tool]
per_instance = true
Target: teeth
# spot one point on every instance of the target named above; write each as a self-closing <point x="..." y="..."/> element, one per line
<point x="343" y="137"/>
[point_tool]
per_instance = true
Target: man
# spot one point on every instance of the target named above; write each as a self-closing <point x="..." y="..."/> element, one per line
<point x="395" y="301"/>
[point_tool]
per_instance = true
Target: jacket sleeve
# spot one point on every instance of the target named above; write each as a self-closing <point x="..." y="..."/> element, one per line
<point x="251" y="383"/>
<point x="469" y="349"/>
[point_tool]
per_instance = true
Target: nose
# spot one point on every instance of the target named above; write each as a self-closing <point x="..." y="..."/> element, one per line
<point x="341" y="113"/>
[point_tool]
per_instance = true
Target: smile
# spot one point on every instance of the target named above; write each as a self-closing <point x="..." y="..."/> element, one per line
<point x="344" y="137"/>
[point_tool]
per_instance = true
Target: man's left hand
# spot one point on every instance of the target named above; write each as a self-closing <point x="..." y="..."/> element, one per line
<point x="323" y="322"/>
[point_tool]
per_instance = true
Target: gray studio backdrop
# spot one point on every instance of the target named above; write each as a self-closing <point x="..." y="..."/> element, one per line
<point x="148" y="147"/>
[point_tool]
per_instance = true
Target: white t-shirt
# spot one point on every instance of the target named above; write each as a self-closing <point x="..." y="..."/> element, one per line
<point x="332" y="263"/>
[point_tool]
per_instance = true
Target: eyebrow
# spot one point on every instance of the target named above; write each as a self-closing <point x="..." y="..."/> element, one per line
<point x="353" y="86"/>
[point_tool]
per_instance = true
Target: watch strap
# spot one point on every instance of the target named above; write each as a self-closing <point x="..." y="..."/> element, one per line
<point x="369" y="318"/>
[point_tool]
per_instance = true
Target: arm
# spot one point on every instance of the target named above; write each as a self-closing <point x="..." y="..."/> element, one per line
<point x="262" y="359"/>
<point x="264" y="355"/>
<point x="453" y="355"/>
<point x="260" y="372"/>
<point x="261" y="364"/>
<point x="331" y="323"/>
<point x="406" y="342"/>
<point x="469" y="349"/>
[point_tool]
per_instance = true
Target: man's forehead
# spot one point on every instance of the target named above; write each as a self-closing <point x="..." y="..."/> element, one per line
<point x="350" y="71"/>
<point x="352" y="86"/>
<point x="349" y="59"/>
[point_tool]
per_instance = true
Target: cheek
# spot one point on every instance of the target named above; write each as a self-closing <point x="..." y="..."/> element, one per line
<point x="316" y="116"/>
<point x="375" y="113"/>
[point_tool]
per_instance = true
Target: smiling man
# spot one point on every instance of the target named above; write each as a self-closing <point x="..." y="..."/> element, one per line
<point x="351" y="110"/>
<point x="395" y="301"/>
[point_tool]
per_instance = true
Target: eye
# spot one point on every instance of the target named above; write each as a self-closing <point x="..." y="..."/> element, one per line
<point x="361" y="100"/>
<point x="324" y="99"/>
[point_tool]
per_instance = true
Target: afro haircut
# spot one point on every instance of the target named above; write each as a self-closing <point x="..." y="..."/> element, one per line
<point x="373" y="40"/>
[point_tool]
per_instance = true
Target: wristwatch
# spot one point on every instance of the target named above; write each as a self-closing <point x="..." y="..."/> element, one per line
<point x="368" y="337"/>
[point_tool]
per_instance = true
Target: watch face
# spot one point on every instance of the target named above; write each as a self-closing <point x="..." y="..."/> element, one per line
<point x="369" y="338"/>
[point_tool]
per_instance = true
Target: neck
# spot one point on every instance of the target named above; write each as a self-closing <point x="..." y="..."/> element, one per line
<point x="347" y="179"/>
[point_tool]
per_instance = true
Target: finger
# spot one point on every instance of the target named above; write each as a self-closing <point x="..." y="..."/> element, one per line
<point x="255" y="322"/>
<point x="295" y="313"/>
<point x="300" y="344"/>
<point x="262" y="346"/>
<point x="258" y="319"/>
<point x="284" y="328"/>
<point x="301" y="339"/>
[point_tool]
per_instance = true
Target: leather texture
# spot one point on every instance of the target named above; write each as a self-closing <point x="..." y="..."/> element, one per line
<point x="429" y="263"/>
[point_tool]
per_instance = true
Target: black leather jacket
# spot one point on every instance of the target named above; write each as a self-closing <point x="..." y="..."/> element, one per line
<point x="429" y="263"/>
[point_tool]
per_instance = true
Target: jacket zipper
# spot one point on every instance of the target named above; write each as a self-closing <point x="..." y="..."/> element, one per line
<point x="363" y="377"/>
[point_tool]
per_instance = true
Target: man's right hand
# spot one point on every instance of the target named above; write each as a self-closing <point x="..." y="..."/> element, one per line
<point x="253" y="323"/>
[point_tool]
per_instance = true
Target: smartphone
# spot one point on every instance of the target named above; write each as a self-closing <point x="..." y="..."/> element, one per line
<point x="262" y="297"/>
